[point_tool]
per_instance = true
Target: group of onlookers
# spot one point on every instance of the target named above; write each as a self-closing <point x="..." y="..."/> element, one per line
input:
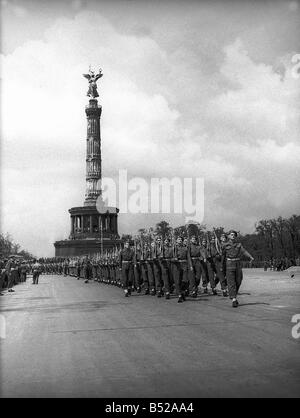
<point x="14" y="270"/>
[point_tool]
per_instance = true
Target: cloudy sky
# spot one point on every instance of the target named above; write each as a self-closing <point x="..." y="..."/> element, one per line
<point x="190" y="89"/>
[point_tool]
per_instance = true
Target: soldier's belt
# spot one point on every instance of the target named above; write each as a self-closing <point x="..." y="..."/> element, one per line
<point x="195" y="258"/>
<point x="233" y="259"/>
<point x="125" y="261"/>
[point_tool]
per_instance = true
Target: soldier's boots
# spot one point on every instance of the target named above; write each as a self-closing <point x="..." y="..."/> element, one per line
<point x="159" y="294"/>
<point x="153" y="292"/>
<point x="225" y="293"/>
<point x="214" y="291"/>
<point x="138" y="290"/>
<point x="168" y="295"/>
<point x="194" y="295"/>
<point x="235" y="304"/>
<point x="126" y="293"/>
<point x="205" y="290"/>
<point x="147" y="292"/>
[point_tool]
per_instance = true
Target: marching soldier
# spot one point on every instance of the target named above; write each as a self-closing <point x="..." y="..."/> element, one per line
<point x="144" y="268"/>
<point x="203" y="262"/>
<point x="165" y="265"/>
<point x="197" y="255"/>
<point x="137" y="267"/>
<point x="210" y="253"/>
<point x="180" y="265"/>
<point x="232" y="253"/>
<point x="157" y="256"/>
<point x="214" y="267"/>
<point x="149" y="264"/>
<point x="223" y="240"/>
<point x="126" y="267"/>
<point x="118" y="270"/>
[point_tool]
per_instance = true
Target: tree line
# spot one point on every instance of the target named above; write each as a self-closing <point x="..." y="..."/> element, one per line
<point x="8" y="247"/>
<point x="272" y="239"/>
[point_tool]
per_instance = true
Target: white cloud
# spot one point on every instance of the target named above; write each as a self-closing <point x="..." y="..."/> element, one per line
<point x="237" y="127"/>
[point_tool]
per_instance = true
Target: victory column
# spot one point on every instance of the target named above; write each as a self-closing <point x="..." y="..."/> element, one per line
<point x="91" y="230"/>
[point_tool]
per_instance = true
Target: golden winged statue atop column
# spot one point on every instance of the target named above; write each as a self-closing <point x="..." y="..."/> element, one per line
<point x="93" y="78"/>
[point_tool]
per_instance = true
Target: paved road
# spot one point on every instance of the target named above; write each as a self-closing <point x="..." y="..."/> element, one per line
<point x="67" y="338"/>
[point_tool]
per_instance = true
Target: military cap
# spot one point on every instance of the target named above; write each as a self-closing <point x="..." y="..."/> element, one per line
<point x="232" y="231"/>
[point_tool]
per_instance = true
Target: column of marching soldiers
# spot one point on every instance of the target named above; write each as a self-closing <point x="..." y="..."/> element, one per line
<point x="184" y="266"/>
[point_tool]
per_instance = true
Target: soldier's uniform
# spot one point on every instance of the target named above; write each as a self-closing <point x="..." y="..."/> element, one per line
<point x="11" y="271"/>
<point x="137" y="269"/>
<point x="23" y="272"/>
<point x="118" y="271"/>
<point x="180" y="270"/>
<point x="232" y="253"/>
<point x="110" y="269"/>
<point x="87" y="270"/>
<point x="165" y="265"/>
<point x="144" y="269"/>
<point x="196" y="270"/>
<point x="223" y="264"/>
<point x="36" y="272"/>
<point x="204" y="264"/>
<point x="3" y="273"/>
<point x="94" y="269"/>
<point x="65" y="267"/>
<point x="126" y="265"/>
<point x="157" y="251"/>
<point x="78" y="269"/>
<point x="114" y="270"/>
<point x="214" y="268"/>
<point x="105" y="269"/>
<point x="150" y="273"/>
